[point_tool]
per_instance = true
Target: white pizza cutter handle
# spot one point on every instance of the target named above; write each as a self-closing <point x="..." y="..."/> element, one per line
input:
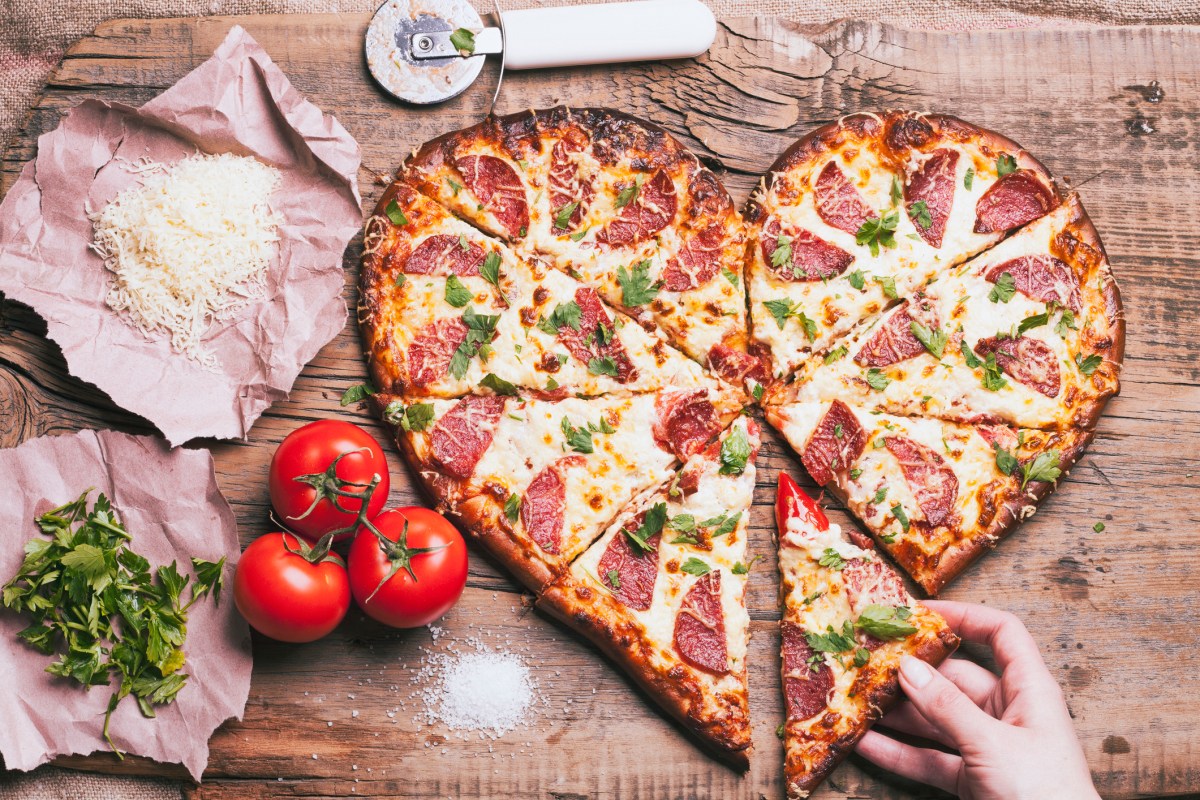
<point x="604" y="34"/>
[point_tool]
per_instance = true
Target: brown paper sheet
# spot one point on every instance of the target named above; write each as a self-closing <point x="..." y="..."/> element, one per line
<point x="170" y="503"/>
<point x="240" y="102"/>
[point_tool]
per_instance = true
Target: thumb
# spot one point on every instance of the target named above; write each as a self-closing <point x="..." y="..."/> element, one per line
<point x="944" y="705"/>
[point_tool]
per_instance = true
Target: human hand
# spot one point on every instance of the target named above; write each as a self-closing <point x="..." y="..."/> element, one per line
<point x="1013" y="736"/>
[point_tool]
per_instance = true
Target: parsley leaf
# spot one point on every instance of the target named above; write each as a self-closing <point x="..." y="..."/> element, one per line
<point x="810" y="327"/>
<point x="993" y="379"/>
<point x="862" y="657"/>
<point x="885" y="622"/>
<point x="897" y="193"/>
<point x="629" y="193"/>
<point x="735" y="452"/>
<point x="481" y="328"/>
<point x="901" y="517"/>
<point x="357" y="393"/>
<point x="1044" y="468"/>
<point x="969" y="355"/>
<point x="415" y="417"/>
<point x="575" y="237"/>
<point x="1065" y="323"/>
<point x="969" y="178"/>
<point x="652" y="525"/>
<point x="878" y="231"/>
<point x="603" y="365"/>
<point x="565" y="315"/>
<point x="832" y="559"/>
<point x="722" y="525"/>
<point x="877" y="380"/>
<point x="562" y="220"/>
<point x="730" y="276"/>
<point x="578" y="439"/>
<point x="934" y="340"/>
<point x="463" y="40"/>
<point x="1004" y="288"/>
<point x="857" y="279"/>
<point x="498" y="385"/>
<point x="888" y="284"/>
<point x="1006" y="462"/>
<point x="836" y="354"/>
<point x="394" y="214"/>
<point x="512" y="507"/>
<point x="832" y="641"/>
<point x="1035" y="321"/>
<point x="694" y="566"/>
<point x="759" y="391"/>
<point x="684" y="523"/>
<point x="781" y="310"/>
<point x="636" y="287"/>
<point x="1089" y="364"/>
<point x="880" y="495"/>
<point x="490" y="270"/>
<point x="457" y="294"/>
<point x="1005" y="164"/>
<point x="614" y="579"/>
<point x="919" y="213"/>
<point x="782" y="254"/>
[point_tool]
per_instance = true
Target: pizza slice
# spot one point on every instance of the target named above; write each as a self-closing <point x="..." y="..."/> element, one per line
<point x="536" y="481"/>
<point x="1028" y="333"/>
<point x="662" y="593"/>
<point x="847" y="622"/>
<point x="863" y="211"/>
<point x="447" y="311"/>
<point x="935" y="495"/>
<point x="615" y="202"/>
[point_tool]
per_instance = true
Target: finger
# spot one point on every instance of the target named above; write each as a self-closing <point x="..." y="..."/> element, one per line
<point x="1004" y="633"/>
<point x="932" y="767"/>
<point x="944" y="705"/>
<point x="904" y="718"/>
<point x="974" y="681"/>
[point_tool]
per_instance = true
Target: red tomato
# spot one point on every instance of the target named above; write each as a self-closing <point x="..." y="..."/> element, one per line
<point x="284" y="595"/>
<point x="314" y="463"/>
<point x="791" y="501"/>
<point x="417" y="579"/>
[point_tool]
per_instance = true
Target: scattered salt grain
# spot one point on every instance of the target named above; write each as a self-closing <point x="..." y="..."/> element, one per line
<point x="479" y="691"/>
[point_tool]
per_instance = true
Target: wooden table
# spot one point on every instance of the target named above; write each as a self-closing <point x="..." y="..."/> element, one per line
<point x="1115" y="613"/>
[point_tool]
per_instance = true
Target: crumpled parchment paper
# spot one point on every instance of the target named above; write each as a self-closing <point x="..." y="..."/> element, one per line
<point x="169" y="502"/>
<point x="239" y="102"/>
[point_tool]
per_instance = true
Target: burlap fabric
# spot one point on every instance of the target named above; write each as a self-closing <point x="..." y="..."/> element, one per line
<point x="34" y="34"/>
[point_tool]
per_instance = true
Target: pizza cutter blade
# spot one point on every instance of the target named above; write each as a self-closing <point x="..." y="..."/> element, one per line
<point x="414" y="53"/>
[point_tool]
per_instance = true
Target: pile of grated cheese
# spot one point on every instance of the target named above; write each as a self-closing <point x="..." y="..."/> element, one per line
<point x="486" y="691"/>
<point x="188" y="246"/>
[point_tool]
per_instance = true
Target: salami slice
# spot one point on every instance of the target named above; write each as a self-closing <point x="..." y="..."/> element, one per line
<point x="432" y="348"/>
<point x="872" y="583"/>
<point x="1014" y="200"/>
<point x="544" y="503"/>
<point x="645" y="215"/>
<point x="835" y="444"/>
<point x="497" y="185"/>
<point x="700" y="626"/>
<point x="933" y="183"/>
<point x="812" y="258"/>
<point x="1042" y="277"/>
<point x="893" y="341"/>
<point x="838" y="202"/>
<point x="444" y="254"/>
<point x="998" y="435"/>
<point x="628" y="571"/>
<point x="564" y="183"/>
<point x="1026" y="360"/>
<point x="686" y="420"/>
<point x="697" y="262"/>
<point x="735" y="367"/>
<point x="590" y="342"/>
<point x="464" y="433"/>
<point x="805" y="687"/>
<point x="932" y="481"/>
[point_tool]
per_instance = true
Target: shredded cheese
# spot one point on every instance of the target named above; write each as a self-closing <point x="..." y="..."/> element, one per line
<point x="188" y="246"/>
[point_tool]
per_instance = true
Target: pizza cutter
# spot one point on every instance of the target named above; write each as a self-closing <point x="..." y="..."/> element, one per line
<point x="415" y="48"/>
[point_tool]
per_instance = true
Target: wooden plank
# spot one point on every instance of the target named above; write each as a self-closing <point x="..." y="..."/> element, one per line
<point x="1114" y="613"/>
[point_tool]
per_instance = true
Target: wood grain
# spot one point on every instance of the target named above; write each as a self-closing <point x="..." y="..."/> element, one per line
<point x="1115" y="613"/>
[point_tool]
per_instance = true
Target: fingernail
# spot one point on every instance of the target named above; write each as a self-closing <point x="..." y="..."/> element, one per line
<point x="915" y="671"/>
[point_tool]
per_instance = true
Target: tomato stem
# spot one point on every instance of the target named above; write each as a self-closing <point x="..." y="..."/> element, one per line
<point x="328" y="486"/>
<point x="399" y="554"/>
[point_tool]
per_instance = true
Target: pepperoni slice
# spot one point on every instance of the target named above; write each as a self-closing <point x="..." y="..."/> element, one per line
<point x="443" y="254"/>
<point x="1017" y="198"/>
<point x="696" y="262"/>
<point x="589" y="343"/>
<point x="563" y="180"/>
<point x="933" y="184"/>
<point x="647" y="214"/>
<point x="998" y="435"/>
<point x="931" y="480"/>
<point x="836" y="443"/>
<point x="432" y="348"/>
<point x="805" y="687"/>
<point x="636" y="570"/>
<point x="700" y="626"/>
<point x="1025" y="360"/>
<point x="464" y="433"/>
<point x="872" y="583"/>
<point x="893" y="341"/>
<point x="544" y="503"/>
<point x="838" y="202"/>
<point x="687" y="419"/>
<point x="497" y="185"/>
<point x="813" y="258"/>
<point x="1042" y="277"/>
<point x="735" y="367"/>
